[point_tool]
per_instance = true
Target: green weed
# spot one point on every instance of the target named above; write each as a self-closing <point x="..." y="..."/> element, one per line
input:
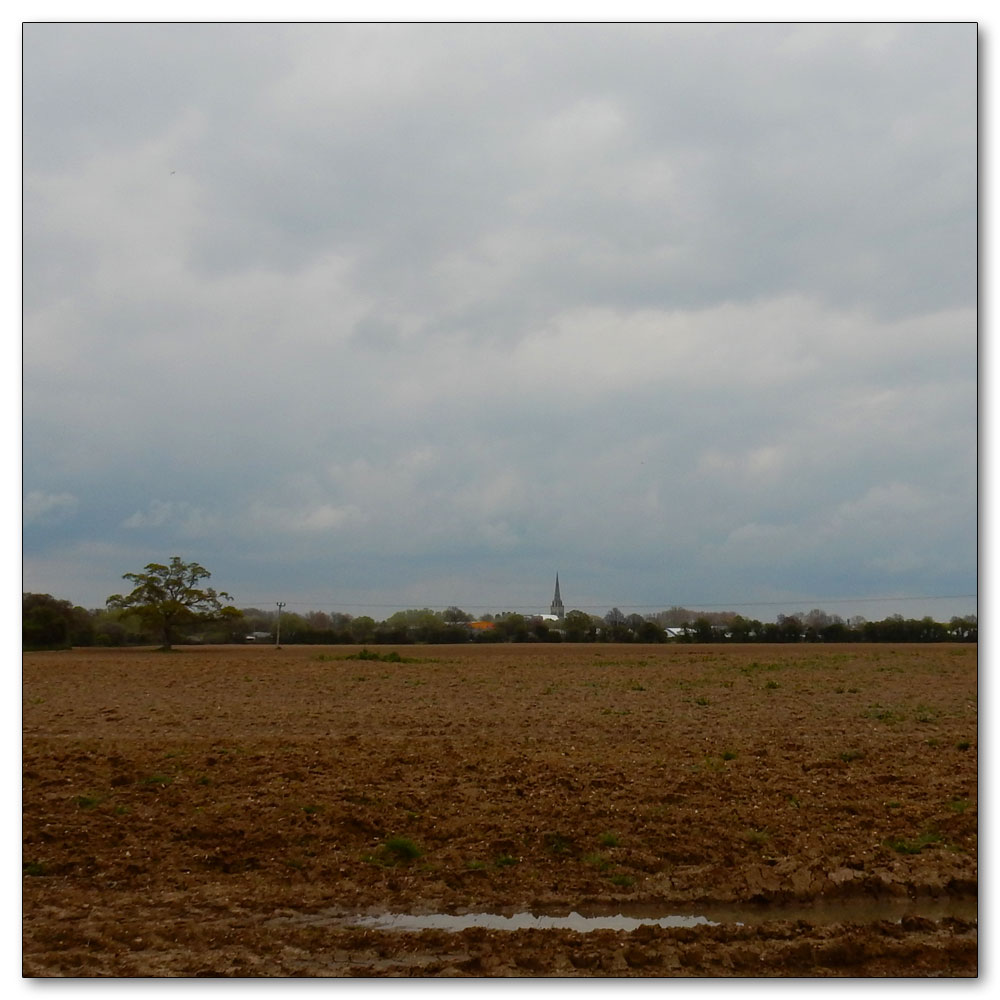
<point x="557" y="843"/>
<point x="395" y="850"/>
<point x="915" y="845"/>
<point x="883" y="714"/>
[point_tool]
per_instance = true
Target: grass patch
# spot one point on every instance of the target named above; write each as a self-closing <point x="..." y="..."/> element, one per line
<point x="33" y="868"/>
<point x="505" y="861"/>
<point x="395" y="850"/>
<point x="883" y="714"/>
<point x="597" y="861"/>
<point x="402" y="849"/>
<point x="87" y="801"/>
<point x="914" y="845"/>
<point x="558" y="843"/>
<point x="610" y="840"/>
<point x="623" y="881"/>
<point x="848" y="755"/>
<point x="157" y="779"/>
<point x="963" y="745"/>
<point x="758" y="837"/>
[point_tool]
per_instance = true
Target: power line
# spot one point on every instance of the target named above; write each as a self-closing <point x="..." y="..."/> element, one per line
<point x="691" y="605"/>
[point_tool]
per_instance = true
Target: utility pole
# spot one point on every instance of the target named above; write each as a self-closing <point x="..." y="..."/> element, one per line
<point x="277" y="636"/>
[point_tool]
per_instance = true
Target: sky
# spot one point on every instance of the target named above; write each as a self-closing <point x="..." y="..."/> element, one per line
<point x="364" y="317"/>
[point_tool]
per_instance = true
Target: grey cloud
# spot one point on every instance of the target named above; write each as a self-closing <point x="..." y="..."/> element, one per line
<point x="650" y="297"/>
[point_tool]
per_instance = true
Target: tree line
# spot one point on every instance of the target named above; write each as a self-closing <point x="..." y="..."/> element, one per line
<point x="51" y="623"/>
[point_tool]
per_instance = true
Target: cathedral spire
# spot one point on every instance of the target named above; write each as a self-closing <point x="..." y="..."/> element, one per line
<point x="557" y="605"/>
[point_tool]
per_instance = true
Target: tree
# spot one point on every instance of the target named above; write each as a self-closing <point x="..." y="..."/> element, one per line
<point x="579" y="626"/>
<point x="48" y="623"/>
<point x="361" y="629"/>
<point x="166" y="597"/>
<point x="703" y="631"/>
<point x="511" y="626"/>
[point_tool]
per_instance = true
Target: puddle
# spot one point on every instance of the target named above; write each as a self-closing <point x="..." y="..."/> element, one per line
<point x="519" y="921"/>
<point x="627" y="917"/>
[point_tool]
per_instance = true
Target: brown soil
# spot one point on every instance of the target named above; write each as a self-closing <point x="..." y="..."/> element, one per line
<point x="199" y="813"/>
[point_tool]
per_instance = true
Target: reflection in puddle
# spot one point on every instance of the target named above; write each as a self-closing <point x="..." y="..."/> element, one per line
<point x="627" y="917"/>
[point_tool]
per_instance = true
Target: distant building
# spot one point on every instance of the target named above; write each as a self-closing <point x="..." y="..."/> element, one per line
<point x="557" y="608"/>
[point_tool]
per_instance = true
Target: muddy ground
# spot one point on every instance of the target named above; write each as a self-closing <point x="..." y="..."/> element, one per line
<point x="226" y="811"/>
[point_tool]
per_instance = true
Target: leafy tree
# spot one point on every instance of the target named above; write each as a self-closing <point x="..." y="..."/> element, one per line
<point x="579" y="626"/>
<point x="318" y="621"/>
<point x="362" y="629"/>
<point x="649" y="631"/>
<point x="789" y="628"/>
<point x="511" y="626"/>
<point x="48" y="623"/>
<point x="744" y="629"/>
<point x="166" y="597"/>
<point x="965" y="628"/>
<point x="703" y="631"/>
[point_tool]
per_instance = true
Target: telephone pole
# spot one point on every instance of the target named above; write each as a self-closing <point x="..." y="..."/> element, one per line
<point x="277" y="634"/>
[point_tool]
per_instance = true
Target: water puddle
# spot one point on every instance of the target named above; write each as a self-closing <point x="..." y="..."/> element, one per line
<point x="627" y="917"/>
<point x="519" y="921"/>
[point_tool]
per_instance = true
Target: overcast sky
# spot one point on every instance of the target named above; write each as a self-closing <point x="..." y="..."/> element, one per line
<point x="366" y="317"/>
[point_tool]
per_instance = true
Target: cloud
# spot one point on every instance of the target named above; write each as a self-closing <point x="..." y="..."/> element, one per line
<point x="180" y="517"/>
<point x="396" y="303"/>
<point x="39" y="507"/>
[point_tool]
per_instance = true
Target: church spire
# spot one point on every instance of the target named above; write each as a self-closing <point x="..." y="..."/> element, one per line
<point x="557" y="605"/>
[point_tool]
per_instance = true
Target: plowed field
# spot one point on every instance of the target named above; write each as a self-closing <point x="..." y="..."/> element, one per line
<point x="234" y="811"/>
